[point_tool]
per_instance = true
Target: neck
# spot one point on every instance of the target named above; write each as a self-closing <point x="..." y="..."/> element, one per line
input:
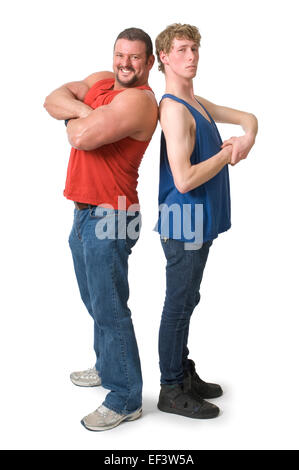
<point x="180" y="87"/>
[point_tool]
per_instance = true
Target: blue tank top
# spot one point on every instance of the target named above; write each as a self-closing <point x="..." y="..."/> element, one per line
<point x="201" y="214"/>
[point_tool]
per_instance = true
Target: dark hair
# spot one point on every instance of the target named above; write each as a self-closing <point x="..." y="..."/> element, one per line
<point x="136" y="34"/>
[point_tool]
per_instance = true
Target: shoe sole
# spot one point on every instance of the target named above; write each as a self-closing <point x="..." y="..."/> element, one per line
<point x="182" y="413"/>
<point x="79" y="384"/>
<point x="132" y="417"/>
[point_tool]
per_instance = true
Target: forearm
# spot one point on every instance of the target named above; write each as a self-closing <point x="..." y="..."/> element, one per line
<point x="63" y="104"/>
<point x="196" y="175"/>
<point x="225" y="115"/>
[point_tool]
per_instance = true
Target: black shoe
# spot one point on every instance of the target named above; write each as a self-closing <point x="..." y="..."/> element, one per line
<point x="198" y="387"/>
<point x="174" y="399"/>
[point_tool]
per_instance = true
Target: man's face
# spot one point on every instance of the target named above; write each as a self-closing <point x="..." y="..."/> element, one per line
<point x="183" y="58"/>
<point x="130" y="64"/>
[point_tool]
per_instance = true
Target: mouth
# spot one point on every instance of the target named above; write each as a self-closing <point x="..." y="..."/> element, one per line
<point x="126" y="76"/>
<point x="126" y="71"/>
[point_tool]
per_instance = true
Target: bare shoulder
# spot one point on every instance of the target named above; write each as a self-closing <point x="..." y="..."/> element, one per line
<point x="169" y="106"/>
<point x="96" y="76"/>
<point x="136" y="97"/>
<point x="170" y="111"/>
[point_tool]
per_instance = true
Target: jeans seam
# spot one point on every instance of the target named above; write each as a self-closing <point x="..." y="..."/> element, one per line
<point x="185" y="300"/>
<point x="77" y="225"/>
<point x="122" y="342"/>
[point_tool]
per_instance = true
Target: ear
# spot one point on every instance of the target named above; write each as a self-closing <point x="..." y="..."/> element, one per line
<point x="151" y="61"/>
<point x="164" y="57"/>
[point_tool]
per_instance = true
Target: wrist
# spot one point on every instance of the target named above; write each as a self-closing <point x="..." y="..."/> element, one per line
<point x="225" y="155"/>
<point x="84" y="111"/>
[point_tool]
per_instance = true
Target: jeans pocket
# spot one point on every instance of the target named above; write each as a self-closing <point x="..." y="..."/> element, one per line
<point x="168" y="247"/>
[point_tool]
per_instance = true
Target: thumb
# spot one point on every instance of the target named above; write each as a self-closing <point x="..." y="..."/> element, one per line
<point x="226" y="142"/>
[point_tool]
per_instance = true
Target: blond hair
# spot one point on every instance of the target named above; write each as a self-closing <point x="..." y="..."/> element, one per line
<point x="175" y="31"/>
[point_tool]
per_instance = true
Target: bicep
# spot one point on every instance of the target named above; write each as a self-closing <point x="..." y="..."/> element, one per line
<point x="124" y="116"/>
<point x="222" y="114"/>
<point x="179" y="143"/>
<point x="95" y="77"/>
<point x="78" y="89"/>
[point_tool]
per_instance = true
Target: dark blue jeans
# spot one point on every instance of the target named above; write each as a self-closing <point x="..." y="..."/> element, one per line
<point x="184" y="271"/>
<point x="101" y="267"/>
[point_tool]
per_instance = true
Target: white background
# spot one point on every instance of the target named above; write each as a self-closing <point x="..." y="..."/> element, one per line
<point x="244" y="334"/>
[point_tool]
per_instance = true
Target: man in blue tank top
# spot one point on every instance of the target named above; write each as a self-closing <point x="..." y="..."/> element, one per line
<point x="194" y="207"/>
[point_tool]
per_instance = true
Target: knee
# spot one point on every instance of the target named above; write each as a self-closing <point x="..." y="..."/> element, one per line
<point x="173" y="317"/>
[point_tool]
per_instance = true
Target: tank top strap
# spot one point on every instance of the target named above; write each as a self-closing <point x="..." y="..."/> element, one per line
<point x="211" y="119"/>
<point x="192" y="110"/>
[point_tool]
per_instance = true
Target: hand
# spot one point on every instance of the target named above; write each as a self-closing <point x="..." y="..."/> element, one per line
<point x="85" y="111"/>
<point x="241" y="147"/>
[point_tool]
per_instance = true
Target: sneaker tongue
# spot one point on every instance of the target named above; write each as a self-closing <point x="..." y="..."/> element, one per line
<point x="103" y="409"/>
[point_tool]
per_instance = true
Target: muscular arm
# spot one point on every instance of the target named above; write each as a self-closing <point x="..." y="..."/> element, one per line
<point x="131" y="113"/>
<point x="66" y="102"/>
<point x="177" y="126"/>
<point x="248" y="122"/>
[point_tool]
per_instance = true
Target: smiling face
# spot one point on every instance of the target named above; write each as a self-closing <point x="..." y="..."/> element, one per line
<point x="130" y="63"/>
<point x="182" y="59"/>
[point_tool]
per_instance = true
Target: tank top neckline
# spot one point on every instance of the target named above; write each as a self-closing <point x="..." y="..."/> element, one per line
<point x="188" y="104"/>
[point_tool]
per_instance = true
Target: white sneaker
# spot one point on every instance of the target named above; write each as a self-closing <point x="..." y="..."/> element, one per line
<point x="103" y="419"/>
<point x="86" y="378"/>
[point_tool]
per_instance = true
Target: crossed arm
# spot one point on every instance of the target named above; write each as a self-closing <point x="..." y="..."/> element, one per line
<point x="66" y="102"/>
<point x="131" y="113"/>
<point x="243" y="144"/>
<point x="179" y="130"/>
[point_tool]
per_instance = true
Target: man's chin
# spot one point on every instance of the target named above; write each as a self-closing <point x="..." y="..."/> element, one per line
<point x="127" y="83"/>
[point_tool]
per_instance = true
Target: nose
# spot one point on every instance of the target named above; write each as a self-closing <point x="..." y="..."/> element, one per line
<point x="126" y="61"/>
<point x="191" y="55"/>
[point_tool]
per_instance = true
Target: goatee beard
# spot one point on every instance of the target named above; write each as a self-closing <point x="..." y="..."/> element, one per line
<point x="129" y="83"/>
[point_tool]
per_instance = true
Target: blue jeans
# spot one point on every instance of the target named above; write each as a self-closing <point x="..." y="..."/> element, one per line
<point x="101" y="267"/>
<point x="184" y="271"/>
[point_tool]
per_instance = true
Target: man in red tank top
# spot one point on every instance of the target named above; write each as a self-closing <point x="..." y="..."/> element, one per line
<point x="110" y="119"/>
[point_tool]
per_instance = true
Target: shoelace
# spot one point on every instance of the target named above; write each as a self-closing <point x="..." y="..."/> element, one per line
<point x="90" y="372"/>
<point x="104" y="412"/>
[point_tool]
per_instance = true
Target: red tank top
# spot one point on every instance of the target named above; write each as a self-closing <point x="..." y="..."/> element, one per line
<point x="99" y="176"/>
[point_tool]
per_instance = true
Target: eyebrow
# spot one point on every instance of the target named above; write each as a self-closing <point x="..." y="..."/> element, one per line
<point x="187" y="45"/>
<point x="132" y="53"/>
